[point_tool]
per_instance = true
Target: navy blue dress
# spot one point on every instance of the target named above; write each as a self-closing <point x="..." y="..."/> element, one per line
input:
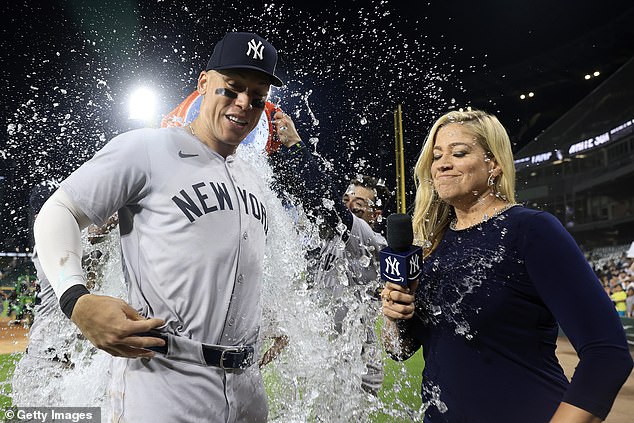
<point x="488" y="307"/>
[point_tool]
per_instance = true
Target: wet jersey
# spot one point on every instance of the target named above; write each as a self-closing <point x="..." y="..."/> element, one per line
<point x="193" y="228"/>
<point x="351" y="259"/>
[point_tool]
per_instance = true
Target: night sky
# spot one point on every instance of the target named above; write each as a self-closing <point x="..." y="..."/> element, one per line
<point x="69" y="66"/>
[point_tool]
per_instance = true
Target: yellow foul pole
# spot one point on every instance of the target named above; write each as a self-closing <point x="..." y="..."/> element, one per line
<point x="400" y="161"/>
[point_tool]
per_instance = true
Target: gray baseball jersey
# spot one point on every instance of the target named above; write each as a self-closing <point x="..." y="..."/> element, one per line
<point x="351" y="261"/>
<point x="193" y="231"/>
<point x="346" y="263"/>
<point x="47" y="304"/>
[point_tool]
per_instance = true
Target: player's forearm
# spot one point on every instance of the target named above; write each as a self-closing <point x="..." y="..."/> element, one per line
<point x="315" y="189"/>
<point x="57" y="232"/>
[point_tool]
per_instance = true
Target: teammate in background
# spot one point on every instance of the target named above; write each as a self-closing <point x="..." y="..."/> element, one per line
<point x="192" y="230"/>
<point x="498" y="281"/>
<point x="351" y="252"/>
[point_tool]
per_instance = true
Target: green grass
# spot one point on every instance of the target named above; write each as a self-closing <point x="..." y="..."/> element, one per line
<point x="401" y="389"/>
<point x="399" y="397"/>
<point x="7" y="364"/>
<point x="400" y="392"/>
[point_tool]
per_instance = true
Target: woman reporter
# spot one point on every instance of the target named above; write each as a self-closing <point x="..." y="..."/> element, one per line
<point x="498" y="280"/>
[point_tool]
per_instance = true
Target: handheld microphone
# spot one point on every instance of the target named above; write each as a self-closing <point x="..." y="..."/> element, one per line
<point x="400" y="260"/>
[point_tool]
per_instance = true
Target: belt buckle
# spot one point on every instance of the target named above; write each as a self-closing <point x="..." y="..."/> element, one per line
<point x="229" y="350"/>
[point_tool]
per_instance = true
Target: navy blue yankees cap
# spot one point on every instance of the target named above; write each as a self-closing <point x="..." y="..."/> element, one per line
<point x="245" y="50"/>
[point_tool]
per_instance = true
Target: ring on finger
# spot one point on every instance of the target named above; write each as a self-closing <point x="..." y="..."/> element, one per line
<point x="283" y="128"/>
<point x="387" y="295"/>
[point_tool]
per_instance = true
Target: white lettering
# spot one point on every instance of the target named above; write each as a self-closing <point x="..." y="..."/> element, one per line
<point x="601" y="139"/>
<point x="580" y="146"/>
<point x="621" y="127"/>
<point x="539" y="158"/>
<point x="522" y="160"/>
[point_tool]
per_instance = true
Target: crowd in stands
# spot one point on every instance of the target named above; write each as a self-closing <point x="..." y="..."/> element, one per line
<point x="614" y="266"/>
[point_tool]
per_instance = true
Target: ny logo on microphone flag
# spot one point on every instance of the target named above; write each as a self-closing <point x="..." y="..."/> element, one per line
<point x="400" y="267"/>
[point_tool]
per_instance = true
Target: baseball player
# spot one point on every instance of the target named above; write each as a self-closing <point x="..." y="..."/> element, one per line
<point x="349" y="259"/>
<point x="193" y="229"/>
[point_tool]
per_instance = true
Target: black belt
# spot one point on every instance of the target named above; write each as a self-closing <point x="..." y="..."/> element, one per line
<point x="228" y="358"/>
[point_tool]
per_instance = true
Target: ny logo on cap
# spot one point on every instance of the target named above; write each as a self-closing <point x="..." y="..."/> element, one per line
<point x="257" y="49"/>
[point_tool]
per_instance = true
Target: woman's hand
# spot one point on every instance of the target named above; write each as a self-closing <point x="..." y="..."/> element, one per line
<point x="398" y="301"/>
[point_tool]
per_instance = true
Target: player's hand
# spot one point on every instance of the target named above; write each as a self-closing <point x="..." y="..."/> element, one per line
<point x="111" y="324"/>
<point x="285" y="128"/>
<point x="398" y="301"/>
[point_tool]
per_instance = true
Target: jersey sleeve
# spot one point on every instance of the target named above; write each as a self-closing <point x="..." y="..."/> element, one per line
<point x="58" y="239"/>
<point x="116" y="176"/>
<point x="571" y="291"/>
<point x="369" y="241"/>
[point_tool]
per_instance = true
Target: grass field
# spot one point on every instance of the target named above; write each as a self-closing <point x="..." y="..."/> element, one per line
<point x="400" y="392"/>
<point x="401" y="386"/>
<point x="400" y="389"/>
<point x="7" y="363"/>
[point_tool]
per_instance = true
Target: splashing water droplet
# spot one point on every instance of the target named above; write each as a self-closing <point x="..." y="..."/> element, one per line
<point x="364" y="261"/>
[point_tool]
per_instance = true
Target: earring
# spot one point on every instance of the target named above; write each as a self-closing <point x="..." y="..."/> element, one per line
<point x="491" y="180"/>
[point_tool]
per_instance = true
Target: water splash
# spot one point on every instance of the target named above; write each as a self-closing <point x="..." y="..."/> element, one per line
<point x="355" y="67"/>
<point x="317" y="378"/>
<point x="66" y="113"/>
<point x="62" y="368"/>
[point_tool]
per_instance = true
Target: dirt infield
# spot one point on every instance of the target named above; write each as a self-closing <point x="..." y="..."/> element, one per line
<point x="623" y="409"/>
<point x="14" y="339"/>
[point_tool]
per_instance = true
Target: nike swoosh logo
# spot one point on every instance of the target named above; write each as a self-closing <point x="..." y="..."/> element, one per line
<point x="185" y="155"/>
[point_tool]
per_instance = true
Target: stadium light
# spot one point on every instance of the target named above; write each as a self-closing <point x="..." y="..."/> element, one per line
<point x="142" y="104"/>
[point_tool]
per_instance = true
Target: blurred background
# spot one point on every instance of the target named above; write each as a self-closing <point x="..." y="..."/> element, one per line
<point x="559" y="75"/>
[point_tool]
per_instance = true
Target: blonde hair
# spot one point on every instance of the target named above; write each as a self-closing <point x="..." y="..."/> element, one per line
<point x="431" y="214"/>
